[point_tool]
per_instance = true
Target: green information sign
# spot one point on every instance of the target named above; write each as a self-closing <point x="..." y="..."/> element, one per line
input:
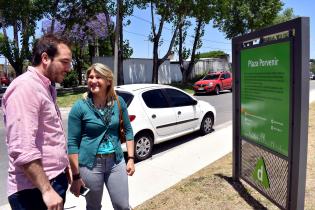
<point x="265" y="95"/>
<point x="260" y="173"/>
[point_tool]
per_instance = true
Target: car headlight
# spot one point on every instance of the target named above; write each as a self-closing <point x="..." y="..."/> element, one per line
<point x="210" y="84"/>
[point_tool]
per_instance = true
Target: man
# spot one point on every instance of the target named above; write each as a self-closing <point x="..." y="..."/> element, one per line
<point x="35" y="137"/>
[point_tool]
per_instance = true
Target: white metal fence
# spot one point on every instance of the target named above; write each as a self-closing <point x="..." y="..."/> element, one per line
<point x="139" y="70"/>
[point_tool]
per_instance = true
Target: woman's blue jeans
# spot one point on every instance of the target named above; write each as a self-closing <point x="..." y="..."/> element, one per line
<point x="115" y="178"/>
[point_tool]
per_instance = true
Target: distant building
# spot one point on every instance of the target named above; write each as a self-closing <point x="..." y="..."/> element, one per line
<point x="139" y="70"/>
<point x="206" y="65"/>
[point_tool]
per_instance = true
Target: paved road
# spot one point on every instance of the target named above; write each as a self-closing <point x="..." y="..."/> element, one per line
<point x="223" y="104"/>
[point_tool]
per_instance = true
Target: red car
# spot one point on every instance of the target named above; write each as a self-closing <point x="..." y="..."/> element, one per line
<point x="214" y="82"/>
<point x="4" y="81"/>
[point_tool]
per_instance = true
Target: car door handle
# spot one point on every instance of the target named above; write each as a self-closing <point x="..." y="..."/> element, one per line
<point x="153" y="116"/>
<point x="179" y="112"/>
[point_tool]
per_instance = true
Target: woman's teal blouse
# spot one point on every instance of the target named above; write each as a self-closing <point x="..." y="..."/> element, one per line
<point x="86" y="129"/>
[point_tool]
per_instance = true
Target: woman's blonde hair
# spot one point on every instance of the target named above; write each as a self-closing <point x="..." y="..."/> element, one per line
<point x="107" y="74"/>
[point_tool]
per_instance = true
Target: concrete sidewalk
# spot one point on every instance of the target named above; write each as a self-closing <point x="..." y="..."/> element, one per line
<point x="167" y="168"/>
<point x="164" y="170"/>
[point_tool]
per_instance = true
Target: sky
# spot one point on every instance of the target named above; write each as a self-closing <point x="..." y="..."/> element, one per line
<point x="138" y="31"/>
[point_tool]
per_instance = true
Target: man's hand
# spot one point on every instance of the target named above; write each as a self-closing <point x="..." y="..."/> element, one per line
<point x="34" y="171"/>
<point x="52" y="200"/>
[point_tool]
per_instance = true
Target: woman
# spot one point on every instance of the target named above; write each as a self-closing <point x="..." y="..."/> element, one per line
<point x="94" y="146"/>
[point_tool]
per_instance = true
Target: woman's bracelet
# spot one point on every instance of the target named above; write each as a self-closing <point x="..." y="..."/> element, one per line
<point x="76" y="176"/>
<point x="131" y="157"/>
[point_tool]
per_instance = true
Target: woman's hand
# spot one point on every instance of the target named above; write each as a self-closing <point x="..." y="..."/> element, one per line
<point x="75" y="186"/>
<point x="130" y="167"/>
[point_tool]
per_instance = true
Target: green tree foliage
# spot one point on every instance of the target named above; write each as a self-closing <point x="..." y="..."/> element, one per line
<point x="286" y="15"/>
<point x="236" y="18"/>
<point x="212" y="54"/>
<point x="70" y="80"/>
<point x="21" y="17"/>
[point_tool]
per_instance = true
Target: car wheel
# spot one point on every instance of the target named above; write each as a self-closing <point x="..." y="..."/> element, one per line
<point x="143" y="146"/>
<point x="217" y="90"/>
<point x="206" y="124"/>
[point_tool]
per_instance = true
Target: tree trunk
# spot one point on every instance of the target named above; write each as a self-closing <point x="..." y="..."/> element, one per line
<point x="18" y="67"/>
<point x="186" y="70"/>
<point x="79" y="70"/>
<point x="155" y="68"/>
<point x="110" y="31"/>
<point x="55" y="7"/>
<point x="16" y="36"/>
<point x="156" y="39"/>
<point x="120" y="49"/>
<point x="25" y="48"/>
<point x="184" y="76"/>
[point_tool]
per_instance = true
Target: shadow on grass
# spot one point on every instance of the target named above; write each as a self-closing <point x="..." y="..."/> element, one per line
<point x="243" y="192"/>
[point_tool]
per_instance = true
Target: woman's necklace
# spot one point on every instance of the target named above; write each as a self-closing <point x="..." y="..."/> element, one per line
<point x="105" y="111"/>
<point x="102" y="111"/>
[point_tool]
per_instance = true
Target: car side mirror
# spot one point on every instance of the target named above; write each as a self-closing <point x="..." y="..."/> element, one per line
<point x="194" y="102"/>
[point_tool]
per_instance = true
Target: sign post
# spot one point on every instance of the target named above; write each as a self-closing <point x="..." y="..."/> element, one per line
<point x="270" y="111"/>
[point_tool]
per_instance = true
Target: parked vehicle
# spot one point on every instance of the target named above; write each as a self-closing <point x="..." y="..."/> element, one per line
<point x="214" y="82"/>
<point x="312" y="75"/>
<point x="160" y="112"/>
<point x="4" y="80"/>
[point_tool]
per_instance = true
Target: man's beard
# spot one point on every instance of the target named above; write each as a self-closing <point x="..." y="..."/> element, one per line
<point x="53" y="76"/>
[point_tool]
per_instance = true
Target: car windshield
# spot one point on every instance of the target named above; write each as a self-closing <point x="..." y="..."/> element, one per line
<point x="211" y="77"/>
<point x="126" y="96"/>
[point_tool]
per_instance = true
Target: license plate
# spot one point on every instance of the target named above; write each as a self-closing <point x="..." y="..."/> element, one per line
<point x="200" y="88"/>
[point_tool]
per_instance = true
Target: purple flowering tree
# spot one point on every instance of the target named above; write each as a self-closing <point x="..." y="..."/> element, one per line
<point x="83" y="35"/>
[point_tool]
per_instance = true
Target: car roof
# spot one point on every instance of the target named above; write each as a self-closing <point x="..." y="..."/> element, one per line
<point x="137" y="87"/>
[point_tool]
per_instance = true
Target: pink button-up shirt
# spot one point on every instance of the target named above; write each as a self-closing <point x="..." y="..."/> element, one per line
<point x="33" y="128"/>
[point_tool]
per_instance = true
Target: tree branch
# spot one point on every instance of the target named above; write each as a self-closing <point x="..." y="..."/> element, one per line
<point x="197" y="38"/>
<point x="171" y="44"/>
<point x="152" y="21"/>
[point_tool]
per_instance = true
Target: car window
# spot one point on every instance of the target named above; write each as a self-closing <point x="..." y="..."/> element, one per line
<point x="178" y="98"/>
<point x="227" y="75"/>
<point x="126" y="96"/>
<point x="211" y="77"/>
<point x="155" y="99"/>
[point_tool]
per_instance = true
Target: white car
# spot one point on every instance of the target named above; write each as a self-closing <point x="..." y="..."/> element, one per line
<point x="160" y="112"/>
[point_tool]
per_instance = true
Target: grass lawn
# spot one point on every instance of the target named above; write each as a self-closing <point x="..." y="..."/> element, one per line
<point x="186" y="87"/>
<point x="213" y="188"/>
<point x="67" y="99"/>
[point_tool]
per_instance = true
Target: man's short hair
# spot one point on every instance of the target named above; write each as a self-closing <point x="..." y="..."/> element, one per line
<point x="48" y="44"/>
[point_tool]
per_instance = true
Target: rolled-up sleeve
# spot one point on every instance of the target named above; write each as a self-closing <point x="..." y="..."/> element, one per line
<point x="127" y="124"/>
<point x="22" y="112"/>
<point x="74" y="129"/>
